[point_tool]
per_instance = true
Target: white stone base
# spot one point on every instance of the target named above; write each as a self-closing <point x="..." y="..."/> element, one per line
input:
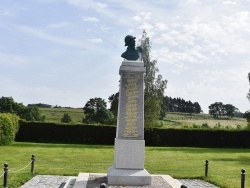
<point x="129" y="154"/>
<point x="129" y="177"/>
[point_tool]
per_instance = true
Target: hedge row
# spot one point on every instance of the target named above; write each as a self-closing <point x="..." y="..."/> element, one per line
<point x="8" y="128"/>
<point x="90" y="134"/>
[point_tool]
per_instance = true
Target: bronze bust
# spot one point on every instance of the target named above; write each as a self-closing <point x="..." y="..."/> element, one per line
<point x="131" y="53"/>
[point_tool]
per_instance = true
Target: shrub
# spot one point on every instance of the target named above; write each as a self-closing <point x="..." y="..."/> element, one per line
<point x="8" y="128"/>
<point x="66" y="118"/>
<point x="205" y="125"/>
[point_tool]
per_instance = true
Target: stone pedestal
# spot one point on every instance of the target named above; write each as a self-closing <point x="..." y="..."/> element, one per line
<point x="128" y="168"/>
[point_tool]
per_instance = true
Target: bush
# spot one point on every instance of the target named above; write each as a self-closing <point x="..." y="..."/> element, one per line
<point x="8" y="128"/>
<point x="66" y="118"/>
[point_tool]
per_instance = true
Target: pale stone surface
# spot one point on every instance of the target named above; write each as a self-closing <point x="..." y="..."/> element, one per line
<point x="81" y="180"/>
<point x="129" y="154"/>
<point x="131" y="93"/>
<point x="128" y="177"/>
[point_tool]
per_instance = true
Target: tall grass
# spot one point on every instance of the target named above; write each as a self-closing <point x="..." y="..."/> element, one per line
<point x="67" y="159"/>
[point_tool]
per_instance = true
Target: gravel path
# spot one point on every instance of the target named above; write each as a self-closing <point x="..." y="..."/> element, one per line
<point x="48" y="181"/>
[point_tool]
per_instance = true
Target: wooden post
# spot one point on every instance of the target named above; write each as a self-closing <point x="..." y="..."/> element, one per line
<point x="5" y="178"/>
<point x="32" y="163"/>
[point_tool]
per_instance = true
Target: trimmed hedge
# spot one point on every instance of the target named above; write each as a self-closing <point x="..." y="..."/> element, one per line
<point x="65" y="133"/>
<point x="199" y="138"/>
<point x="8" y="128"/>
<point x="93" y="134"/>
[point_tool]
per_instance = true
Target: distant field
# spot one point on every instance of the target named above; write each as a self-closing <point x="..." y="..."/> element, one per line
<point x="55" y="114"/>
<point x="180" y="120"/>
<point x="172" y="120"/>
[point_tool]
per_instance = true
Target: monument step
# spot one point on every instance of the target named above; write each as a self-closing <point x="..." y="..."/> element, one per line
<point x="82" y="180"/>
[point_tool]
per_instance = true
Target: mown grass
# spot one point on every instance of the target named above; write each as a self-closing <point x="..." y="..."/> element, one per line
<point x="70" y="159"/>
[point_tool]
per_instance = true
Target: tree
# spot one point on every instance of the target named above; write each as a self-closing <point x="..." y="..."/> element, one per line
<point x="248" y="95"/>
<point x="30" y="113"/>
<point x="247" y="116"/>
<point x="247" y="113"/>
<point x="8" y="105"/>
<point x="230" y="110"/>
<point x="66" y="118"/>
<point x="219" y="109"/>
<point x="197" y="107"/>
<point x="164" y="107"/>
<point x="113" y="100"/>
<point x="154" y="85"/>
<point x="96" y="111"/>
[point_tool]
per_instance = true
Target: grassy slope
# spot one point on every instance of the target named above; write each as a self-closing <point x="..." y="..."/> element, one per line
<point x="62" y="159"/>
<point x="55" y="114"/>
<point x="180" y="120"/>
<point x="173" y="120"/>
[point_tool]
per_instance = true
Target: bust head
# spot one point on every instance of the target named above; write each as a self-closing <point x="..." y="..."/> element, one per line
<point x="129" y="41"/>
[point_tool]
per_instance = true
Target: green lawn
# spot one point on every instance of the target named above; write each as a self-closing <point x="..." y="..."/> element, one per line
<point x="67" y="159"/>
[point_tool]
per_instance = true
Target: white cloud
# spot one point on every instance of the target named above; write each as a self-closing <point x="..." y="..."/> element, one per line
<point x="95" y="41"/>
<point x="136" y="18"/>
<point x="161" y="26"/>
<point x="105" y="28"/>
<point x="89" y="19"/>
<point x="43" y="35"/>
<point x="228" y="2"/>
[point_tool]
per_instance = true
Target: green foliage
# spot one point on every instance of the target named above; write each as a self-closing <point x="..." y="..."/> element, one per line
<point x="180" y="105"/>
<point x="113" y="100"/>
<point x="96" y="111"/>
<point x="248" y="95"/>
<point x="41" y="105"/>
<point x="219" y="109"/>
<point x="30" y="113"/>
<point x="100" y="134"/>
<point x="164" y="107"/>
<point x="154" y="86"/>
<point x="8" y="128"/>
<point x="65" y="133"/>
<point x="247" y="116"/>
<point x="66" y="118"/>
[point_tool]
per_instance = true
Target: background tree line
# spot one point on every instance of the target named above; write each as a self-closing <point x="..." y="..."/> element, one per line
<point x="29" y="113"/>
<point x="219" y="109"/>
<point x="180" y="105"/>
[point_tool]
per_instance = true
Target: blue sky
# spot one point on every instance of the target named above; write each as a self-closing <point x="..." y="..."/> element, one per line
<point x="64" y="52"/>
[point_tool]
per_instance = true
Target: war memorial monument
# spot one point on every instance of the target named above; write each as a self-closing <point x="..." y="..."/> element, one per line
<point x="128" y="168"/>
<point x="129" y="151"/>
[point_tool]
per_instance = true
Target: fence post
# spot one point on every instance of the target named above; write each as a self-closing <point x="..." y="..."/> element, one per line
<point x="32" y="163"/>
<point x="206" y="168"/>
<point x="5" y="178"/>
<point x="243" y="171"/>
